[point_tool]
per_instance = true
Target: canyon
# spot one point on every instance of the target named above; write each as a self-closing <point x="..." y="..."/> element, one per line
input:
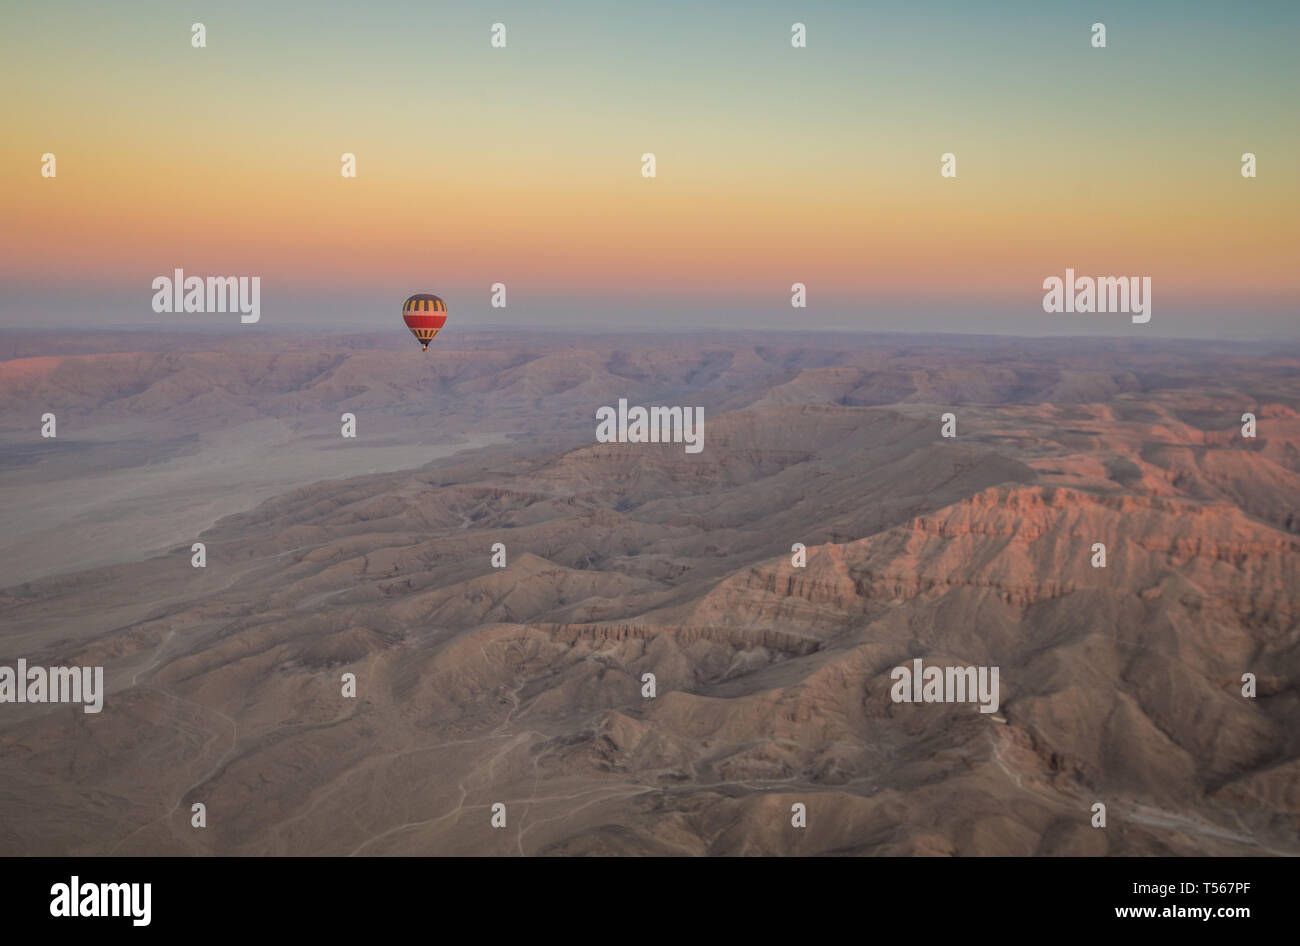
<point x="522" y="685"/>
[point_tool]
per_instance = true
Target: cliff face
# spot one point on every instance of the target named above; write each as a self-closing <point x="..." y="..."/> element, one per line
<point x="1022" y="546"/>
<point x="526" y="684"/>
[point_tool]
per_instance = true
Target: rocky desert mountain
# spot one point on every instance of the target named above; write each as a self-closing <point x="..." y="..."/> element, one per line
<point x="523" y="685"/>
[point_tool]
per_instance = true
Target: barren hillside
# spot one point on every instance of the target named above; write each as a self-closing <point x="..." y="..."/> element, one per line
<point x="522" y="684"/>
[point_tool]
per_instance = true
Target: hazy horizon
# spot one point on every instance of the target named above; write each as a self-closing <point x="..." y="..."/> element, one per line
<point x="1197" y="326"/>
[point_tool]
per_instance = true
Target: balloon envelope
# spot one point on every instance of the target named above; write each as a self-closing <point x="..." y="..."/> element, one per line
<point x="424" y="314"/>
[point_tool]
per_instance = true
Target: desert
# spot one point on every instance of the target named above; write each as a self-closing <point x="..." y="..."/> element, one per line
<point x="523" y="686"/>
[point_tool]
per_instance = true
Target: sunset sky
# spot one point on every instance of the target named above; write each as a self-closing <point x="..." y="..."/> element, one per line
<point x="523" y="165"/>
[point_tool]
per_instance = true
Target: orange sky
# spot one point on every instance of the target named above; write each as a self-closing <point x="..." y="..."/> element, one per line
<point x="522" y="165"/>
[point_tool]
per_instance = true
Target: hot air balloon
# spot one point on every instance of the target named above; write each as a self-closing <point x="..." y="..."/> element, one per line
<point x="424" y="314"/>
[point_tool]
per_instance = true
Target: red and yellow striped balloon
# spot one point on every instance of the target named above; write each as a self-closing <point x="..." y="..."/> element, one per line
<point x="424" y="314"/>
